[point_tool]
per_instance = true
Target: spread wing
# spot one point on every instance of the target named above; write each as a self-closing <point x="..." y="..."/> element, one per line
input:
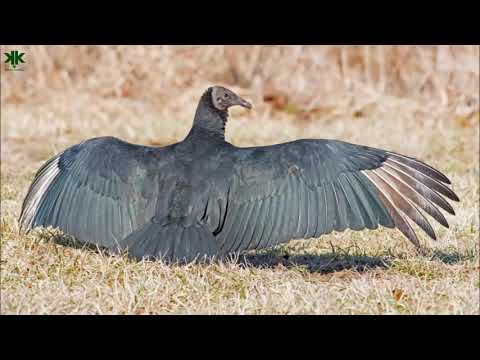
<point x="307" y="188"/>
<point x="99" y="191"/>
<point x="114" y="194"/>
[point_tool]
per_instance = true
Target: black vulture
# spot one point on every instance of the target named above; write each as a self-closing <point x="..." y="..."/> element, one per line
<point x="205" y="198"/>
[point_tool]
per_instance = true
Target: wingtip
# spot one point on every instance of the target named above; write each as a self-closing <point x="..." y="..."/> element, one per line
<point x="455" y="197"/>
<point x="420" y="166"/>
<point x="445" y="179"/>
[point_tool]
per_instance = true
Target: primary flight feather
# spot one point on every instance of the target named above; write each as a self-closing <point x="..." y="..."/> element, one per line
<point x="204" y="197"/>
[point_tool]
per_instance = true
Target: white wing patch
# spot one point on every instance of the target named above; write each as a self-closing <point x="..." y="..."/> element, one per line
<point x="38" y="189"/>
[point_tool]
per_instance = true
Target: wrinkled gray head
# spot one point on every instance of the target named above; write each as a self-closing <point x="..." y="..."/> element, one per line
<point x="223" y="98"/>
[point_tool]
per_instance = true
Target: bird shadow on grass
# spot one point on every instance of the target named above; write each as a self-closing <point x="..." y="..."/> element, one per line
<point x="60" y="238"/>
<point x="454" y="256"/>
<point x="343" y="259"/>
<point x="313" y="263"/>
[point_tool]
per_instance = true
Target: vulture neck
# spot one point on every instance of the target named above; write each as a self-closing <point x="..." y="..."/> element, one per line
<point x="209" y="121"/>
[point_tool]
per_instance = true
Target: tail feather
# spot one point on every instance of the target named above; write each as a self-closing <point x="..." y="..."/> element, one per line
<point x="171" y="242"/>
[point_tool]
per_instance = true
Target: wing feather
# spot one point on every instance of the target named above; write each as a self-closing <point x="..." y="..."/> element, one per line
<point x="311" y="187"/>
<point x="93" y="190"/>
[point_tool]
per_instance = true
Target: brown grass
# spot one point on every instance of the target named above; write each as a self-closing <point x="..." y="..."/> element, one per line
<point x="420" y="101"/>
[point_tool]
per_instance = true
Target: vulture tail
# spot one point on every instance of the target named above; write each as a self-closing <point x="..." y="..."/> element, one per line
<point x="171" y="242"/>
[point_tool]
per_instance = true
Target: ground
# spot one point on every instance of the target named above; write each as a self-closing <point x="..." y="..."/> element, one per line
<point x="368" y="272"/>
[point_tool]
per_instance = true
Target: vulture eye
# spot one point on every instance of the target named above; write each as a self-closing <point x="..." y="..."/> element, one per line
<point x="225" y="96"/>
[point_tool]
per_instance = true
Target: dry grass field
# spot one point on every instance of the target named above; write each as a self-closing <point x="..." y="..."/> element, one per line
<point x="419" y="101"/>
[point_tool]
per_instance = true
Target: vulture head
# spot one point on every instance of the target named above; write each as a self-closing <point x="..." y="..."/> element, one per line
<point x="212" y="110"/>
<point x="223" y="98"/>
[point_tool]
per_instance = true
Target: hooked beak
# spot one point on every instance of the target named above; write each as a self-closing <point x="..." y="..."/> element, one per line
<point x="244" y="103"/>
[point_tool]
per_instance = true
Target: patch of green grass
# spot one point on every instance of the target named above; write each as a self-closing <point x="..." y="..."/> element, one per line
<point x="417" y="268"/>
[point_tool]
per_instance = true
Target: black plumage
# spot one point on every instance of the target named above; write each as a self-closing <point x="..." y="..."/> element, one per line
<point x="205" y="197"/>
